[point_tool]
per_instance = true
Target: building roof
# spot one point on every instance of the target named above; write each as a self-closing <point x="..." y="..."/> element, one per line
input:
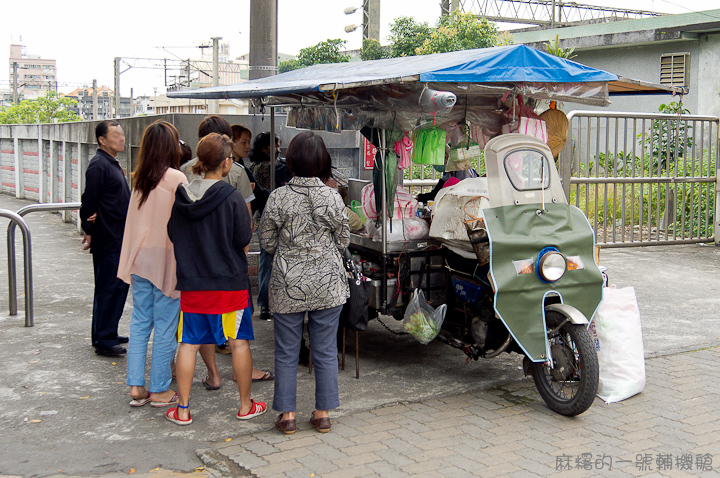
<point x="684" y="26"/>
<point x="89" y="91"/>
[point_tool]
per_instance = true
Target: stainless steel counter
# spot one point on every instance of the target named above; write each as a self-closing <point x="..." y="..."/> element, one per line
<point x="392" y="247"/>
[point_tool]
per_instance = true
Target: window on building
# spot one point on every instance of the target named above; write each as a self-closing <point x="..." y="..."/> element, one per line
<point x="675" y="69"/>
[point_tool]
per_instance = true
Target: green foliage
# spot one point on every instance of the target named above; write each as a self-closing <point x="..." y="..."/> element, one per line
<point x="289" y="65"/>
<point x="505" y="39"/>
<point x="686" y="205"/>
<point x="324" y="52"/>
<point x="50" y="108"/>
<point x="553" y="47"/>
<point x="372" y="50"/>
<point x="670" y="138"/>
<point x="407" y="35"/>
<point x="459" y="31"/>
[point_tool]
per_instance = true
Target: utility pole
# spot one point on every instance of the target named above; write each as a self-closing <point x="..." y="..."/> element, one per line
<point x="95" y="101"/>
<point x="15" y="83"/>
<point x="215" y="104"/>
<point x="263" y="38"/>
<point x="449" y="6"/>
<point x="117" y="88"/>
<point x="371" y="19"/>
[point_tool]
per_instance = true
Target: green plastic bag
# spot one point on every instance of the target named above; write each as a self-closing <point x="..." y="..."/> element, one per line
<point x="356" y="207"/>
<point x="429" y="146"/>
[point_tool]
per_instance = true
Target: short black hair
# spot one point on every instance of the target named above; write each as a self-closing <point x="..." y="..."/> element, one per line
<point x="307" y="157"/>
<point x="101" y="130"/>
<point x="214" y="124"/>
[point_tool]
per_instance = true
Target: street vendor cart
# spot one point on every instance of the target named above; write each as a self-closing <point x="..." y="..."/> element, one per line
<point x="510" y="263"/>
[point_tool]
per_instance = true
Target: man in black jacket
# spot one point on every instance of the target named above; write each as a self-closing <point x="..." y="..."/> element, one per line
<point x="104" y="207"/>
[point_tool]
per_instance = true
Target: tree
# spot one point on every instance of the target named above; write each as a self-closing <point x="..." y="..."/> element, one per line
<point x="324" y="52"/>
<point x="406" y="35"/>
<point x="50" y="108"/>
<point x="372" y="50"/>
<point x="459" y="31"/>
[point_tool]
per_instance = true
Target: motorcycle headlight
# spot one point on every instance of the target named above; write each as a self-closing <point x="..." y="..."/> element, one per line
<point x="551" y="265"/>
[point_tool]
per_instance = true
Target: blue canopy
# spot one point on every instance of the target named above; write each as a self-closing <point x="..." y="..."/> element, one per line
<point x="506" y="65"/>
<point x="516" y="64"/>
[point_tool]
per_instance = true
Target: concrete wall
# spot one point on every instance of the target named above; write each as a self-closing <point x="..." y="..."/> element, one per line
<point x="47" y="162"/>
<point x="643" y="63"/>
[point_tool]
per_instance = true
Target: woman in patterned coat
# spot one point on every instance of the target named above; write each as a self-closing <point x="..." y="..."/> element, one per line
<point x="305" y="227"/>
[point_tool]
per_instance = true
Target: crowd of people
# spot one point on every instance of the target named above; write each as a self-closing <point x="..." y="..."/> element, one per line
<point x="180" y="237"/>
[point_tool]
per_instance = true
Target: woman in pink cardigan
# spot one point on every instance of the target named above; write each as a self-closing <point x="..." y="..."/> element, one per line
<point x="147" y="261"/>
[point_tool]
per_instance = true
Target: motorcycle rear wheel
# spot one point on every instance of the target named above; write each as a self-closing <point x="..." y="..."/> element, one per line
<point x="570" y="385"/>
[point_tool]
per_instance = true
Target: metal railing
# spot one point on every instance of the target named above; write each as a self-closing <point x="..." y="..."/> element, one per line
<point x="12" y="273"/>
<point x="16" y="219"/>
<point x="644" y="178"/>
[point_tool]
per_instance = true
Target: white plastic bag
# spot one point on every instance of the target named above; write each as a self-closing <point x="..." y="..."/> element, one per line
<point x="617" y="334"/>
<point x="404" y="205"/>
<point x="421" y="320"/>
<point x="448" y="223"/>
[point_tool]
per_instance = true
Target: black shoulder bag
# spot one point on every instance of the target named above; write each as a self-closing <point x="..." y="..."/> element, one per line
<point x="354" y="315"/>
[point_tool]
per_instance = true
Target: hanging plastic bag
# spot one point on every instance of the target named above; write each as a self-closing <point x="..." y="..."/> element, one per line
<point x="520" y="118"/>
<point x="404" y="203"/>
<point x="617" y="334"/>
<point x="461" y="157"/>
<point x="421" y="320"/>
<point x="429" y="146"/>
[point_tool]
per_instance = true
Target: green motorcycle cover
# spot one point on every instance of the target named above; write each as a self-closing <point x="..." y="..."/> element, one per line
<point x="519" y="233"/>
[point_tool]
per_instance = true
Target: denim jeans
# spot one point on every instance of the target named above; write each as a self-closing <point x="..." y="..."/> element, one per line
<point x="322" y="327"/>
<point x="151" y="310"/>
<point x="264" y="269"/>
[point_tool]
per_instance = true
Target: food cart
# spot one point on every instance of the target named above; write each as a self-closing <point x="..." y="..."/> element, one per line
<point x="524" y="279"/>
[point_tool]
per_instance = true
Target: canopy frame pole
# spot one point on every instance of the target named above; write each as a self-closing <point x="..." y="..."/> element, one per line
<point x="272" y="148"/>
<point x="383" y="156"/>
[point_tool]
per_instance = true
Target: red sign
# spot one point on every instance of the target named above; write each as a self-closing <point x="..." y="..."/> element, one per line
<point x="369" y="155"/>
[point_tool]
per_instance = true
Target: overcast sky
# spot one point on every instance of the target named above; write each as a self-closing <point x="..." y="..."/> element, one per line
<point x="84" y="36"/>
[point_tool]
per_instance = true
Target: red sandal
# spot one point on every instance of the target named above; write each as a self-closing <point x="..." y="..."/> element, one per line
<point x="172" y="415"/>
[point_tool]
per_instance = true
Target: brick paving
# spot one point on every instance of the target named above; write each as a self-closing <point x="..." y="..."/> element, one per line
<point x="671" y="429"/>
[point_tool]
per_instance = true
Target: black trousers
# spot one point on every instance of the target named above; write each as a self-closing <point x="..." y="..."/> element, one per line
<point x="109" y="300"/>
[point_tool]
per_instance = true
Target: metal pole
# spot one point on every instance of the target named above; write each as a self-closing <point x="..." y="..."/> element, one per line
<point x="15" y="83"/>
<point x="272" y="148"/>
<point x="95" y="100"/>
<point x="27" y="249"/>
<point x="552" y="15"/>
<point x="12" y="272"/>
<point x="117" y="88"/>
<point x="215" y="104"/>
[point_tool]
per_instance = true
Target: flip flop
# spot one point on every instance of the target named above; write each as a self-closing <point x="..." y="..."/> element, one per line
<point x="139" y="402"/>
<point x="208" y="386"/>
<point x="265" y="378"/>
<point x="172" y="415"/>
<point x="173" y="401"/>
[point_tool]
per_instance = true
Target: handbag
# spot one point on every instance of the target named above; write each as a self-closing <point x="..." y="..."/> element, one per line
<point x="355" y="315"/>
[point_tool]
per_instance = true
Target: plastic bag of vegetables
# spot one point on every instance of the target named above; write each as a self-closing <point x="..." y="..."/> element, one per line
<point x="421" y="320"/>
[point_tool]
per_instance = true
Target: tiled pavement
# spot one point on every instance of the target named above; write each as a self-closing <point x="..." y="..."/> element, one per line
<point x="671" y="429"/>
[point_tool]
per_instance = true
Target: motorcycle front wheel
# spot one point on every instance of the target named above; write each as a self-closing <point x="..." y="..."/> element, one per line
<point x="568" y="387"/>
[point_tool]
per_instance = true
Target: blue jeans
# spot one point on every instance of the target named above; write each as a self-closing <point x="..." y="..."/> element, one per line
<point x="322" y="327"/>
<point x="264" y="269"/>
<point x="151" y="310"/>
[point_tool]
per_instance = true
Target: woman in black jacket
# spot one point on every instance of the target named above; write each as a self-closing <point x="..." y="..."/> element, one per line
<point x="211" y="232"/>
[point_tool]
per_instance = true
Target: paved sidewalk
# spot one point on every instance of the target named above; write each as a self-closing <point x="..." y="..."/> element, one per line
<point x="671" y="429"/>
<point x="417" y="409"/>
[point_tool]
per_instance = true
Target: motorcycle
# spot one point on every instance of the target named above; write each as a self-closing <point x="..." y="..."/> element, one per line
<point x="532" y="286"/>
